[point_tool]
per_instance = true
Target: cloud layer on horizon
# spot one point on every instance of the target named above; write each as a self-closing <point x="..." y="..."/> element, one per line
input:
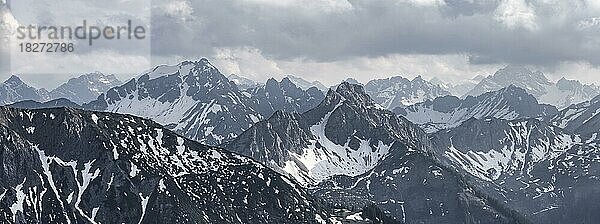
<point x="329" y="40"/>
<point x="533" y="32"/>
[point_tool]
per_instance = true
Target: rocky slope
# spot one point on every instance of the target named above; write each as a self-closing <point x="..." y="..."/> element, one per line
<point x="540" y="170"/>
<point x="446" y="112"/>
<point x="560" y="94"/>
<point x="85" y="88"/>
<point x="355" y="153"/>
<point x="192" y="98"/>
<point x="72" y="166"/>
<point x="285" y="96"/>
<point x="398" y="91"/>
<point x="580" y="118"/>
<point x="14" y="90"/>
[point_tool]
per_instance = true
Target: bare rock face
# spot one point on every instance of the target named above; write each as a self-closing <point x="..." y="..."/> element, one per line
<point x="398" y="91"/>
<point x="447" y="112"/>
<point x="14" y="90"/>
<point x="85" y="88"/>
<point x="352" y="152"/>
<point x="72" y="166"/>
<point x="192" y="98"/>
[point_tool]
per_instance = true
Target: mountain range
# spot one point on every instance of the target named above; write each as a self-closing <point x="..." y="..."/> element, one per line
<point x="461" y="87"/>
<point x="446" y="112"/>
<point x="72" y="166"/>
<point x="560" y="94"/>
<point x="354" y="152"/>
<point x="398" y="91"/>
<point x="242" y="82"/>
<point x="283" y="96"/>
<point x="85" y="88"/>
<point x="82" y="89"/>
<point x="546" y="173"/>
<point x="14" y="89"/>
<point x="305" y="85"/>
<point x="184" y="143"/>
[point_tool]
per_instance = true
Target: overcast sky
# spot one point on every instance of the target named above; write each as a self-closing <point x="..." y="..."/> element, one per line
<point x="331" y="40"/>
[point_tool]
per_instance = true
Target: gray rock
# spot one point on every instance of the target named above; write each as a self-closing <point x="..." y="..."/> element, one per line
<point x="398" y="91"/>
<point x="446" y="112"/>
<point x="192" y="98"/>
<point x="538" y="169"/>
<point x="85" y="88"/>
<point x="285" y="96"/>
<point x="15" y="90"/>
<point x="354" y="153"/>
<point x="66" y="165"/>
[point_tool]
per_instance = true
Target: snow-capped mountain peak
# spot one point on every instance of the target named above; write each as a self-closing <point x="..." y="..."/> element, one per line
<point x="352" y="81"/>
<point x="346" y="134"/>
<point x="352" y="93"/>
<point x="305" y="85"/>
<point x="14" y="90"/>
<point x="533" y="82"/>
<point x="398" y="91"/>
<point x="192" y="98"/>
<point x="14" y="81"/>
<point x="445" y="112"/>
<point x="243" y="82"/>
<point x="561" y="94"/>
<point x="85" y="88"/>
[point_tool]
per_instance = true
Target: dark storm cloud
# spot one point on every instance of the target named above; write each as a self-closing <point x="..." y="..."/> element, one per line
<point x="383" y="27"/>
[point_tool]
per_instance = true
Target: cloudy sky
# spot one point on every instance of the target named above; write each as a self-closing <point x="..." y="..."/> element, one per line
<point x="330" y="40"/>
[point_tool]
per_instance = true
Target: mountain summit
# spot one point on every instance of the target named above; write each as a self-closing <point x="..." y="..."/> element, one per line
<point x="445" y="112"/>
<point x="353" y="152"/>
<point x="534" y="83"/>
<point x="14" y="90"/>
<point x="398" y="91"/>
<point x="192" y="98"/>
<point x="561" y="94"/>
<point x="321" y="142"/>
<point x="85" y="88"/>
